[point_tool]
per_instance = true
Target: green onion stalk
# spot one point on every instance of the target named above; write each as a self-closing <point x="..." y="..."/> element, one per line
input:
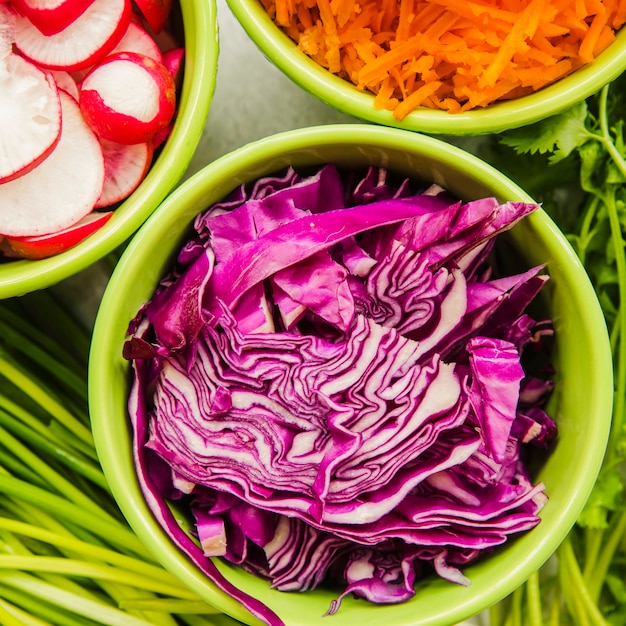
<point x="67" y="555"/>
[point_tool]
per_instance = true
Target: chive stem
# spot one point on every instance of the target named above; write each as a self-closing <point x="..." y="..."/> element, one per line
<point x="99" y="612"/>
<point x="533" y="600"/>
<point x="30" y="387"/>
<point x="85" y="569"/>
<point x="103" y="526"/>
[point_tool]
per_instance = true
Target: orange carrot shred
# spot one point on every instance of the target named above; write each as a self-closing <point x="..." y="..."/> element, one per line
<point x="405" y="17"/>
<point x="452" y="55"/>
<point x="588" y="44"/>
<point x="415" y="99"/>
<point x="605" y="39"/>
<point x="620" y="15"/>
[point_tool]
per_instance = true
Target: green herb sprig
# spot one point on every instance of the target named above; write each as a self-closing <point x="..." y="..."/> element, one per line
<point x="584" y="149"/>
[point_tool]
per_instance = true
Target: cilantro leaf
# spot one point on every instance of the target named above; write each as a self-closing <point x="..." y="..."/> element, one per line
<point x="558" y="135"/>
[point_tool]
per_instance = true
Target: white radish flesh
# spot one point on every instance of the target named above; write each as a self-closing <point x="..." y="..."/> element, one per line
<point x="51" y="16"/>
<point x="30" y="116"/>
<point x="137" y="39"/>
<point x="7" y="30"/>
<point x="84" y="42"/>
<point x="65" y="81"/>
<point x="125" y="167"/>
<point x="63" y="188"/>
<point x="128" y="98"/>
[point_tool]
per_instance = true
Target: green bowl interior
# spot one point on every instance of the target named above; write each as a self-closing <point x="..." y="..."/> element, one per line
<point x="199" y="23"/>
<point x="341" y="94"/>
<point x="582" y="402"/>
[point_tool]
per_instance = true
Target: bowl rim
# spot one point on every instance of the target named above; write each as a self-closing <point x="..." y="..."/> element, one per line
<point x="110" y="420"/>
<point x="500" y="116"/>
<point x="21" y="276"/>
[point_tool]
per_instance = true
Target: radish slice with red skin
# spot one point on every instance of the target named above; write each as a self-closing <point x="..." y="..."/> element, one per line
<point x="128" y="98"/>
<point x="161" y="137"/>
<point x="125" y="166"/>
<point x="173" y="61"/>
<point x="6" y="252"/>
<point x="30" y="116"/>
<point x="44" y="246"/>
<point x="165" y="39"/>
<point x="83" y="43"/>
<point x="135" y="39"/>
<point x="156" y="12"/>
<point x="63" y="188"/>
<point x="52" y="16"/>
<point x="65" y="81"/>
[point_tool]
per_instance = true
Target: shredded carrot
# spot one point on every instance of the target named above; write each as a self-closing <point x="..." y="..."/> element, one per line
<point x="588" y="44"/>
<point x="453" y="55"/>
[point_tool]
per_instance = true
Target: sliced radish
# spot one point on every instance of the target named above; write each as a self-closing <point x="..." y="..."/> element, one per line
<point x="156" y="12"/>
<point x="63" y="188"/>
<point x="128" y="98"/>
<point x="84" y="42"/>
<point x="161" y="137"/>
<point x="30" y="116"/>
<point x="173" y="61"/>
<point x="125" y="166"/>
<point x="166" y="39"/>
<point x="43" y="246"/>
<point x="51" y="16"/>
<point x="65" y="81"/>
<point x="7" y="29"/>
<point x="135" y="39"/>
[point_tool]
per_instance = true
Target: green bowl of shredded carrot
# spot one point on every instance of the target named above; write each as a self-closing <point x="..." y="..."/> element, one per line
<point x="442" y="66"/>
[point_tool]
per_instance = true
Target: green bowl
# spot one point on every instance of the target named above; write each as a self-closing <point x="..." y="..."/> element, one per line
<point x="199" y="28"/>
<point x="582" y="401"/>
<point x="344" y="96"/>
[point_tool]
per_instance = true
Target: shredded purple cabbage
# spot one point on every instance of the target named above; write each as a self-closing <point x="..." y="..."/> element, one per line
<point x="332" y="378"/>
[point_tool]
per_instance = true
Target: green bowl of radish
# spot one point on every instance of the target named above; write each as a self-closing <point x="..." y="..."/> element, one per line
<point x="440" y="69"/>
<point x="95" y="134"/>
<point x="150" y="317"/>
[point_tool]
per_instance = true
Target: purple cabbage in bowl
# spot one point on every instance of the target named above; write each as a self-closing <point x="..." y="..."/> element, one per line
<point x="334" y="379"/>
